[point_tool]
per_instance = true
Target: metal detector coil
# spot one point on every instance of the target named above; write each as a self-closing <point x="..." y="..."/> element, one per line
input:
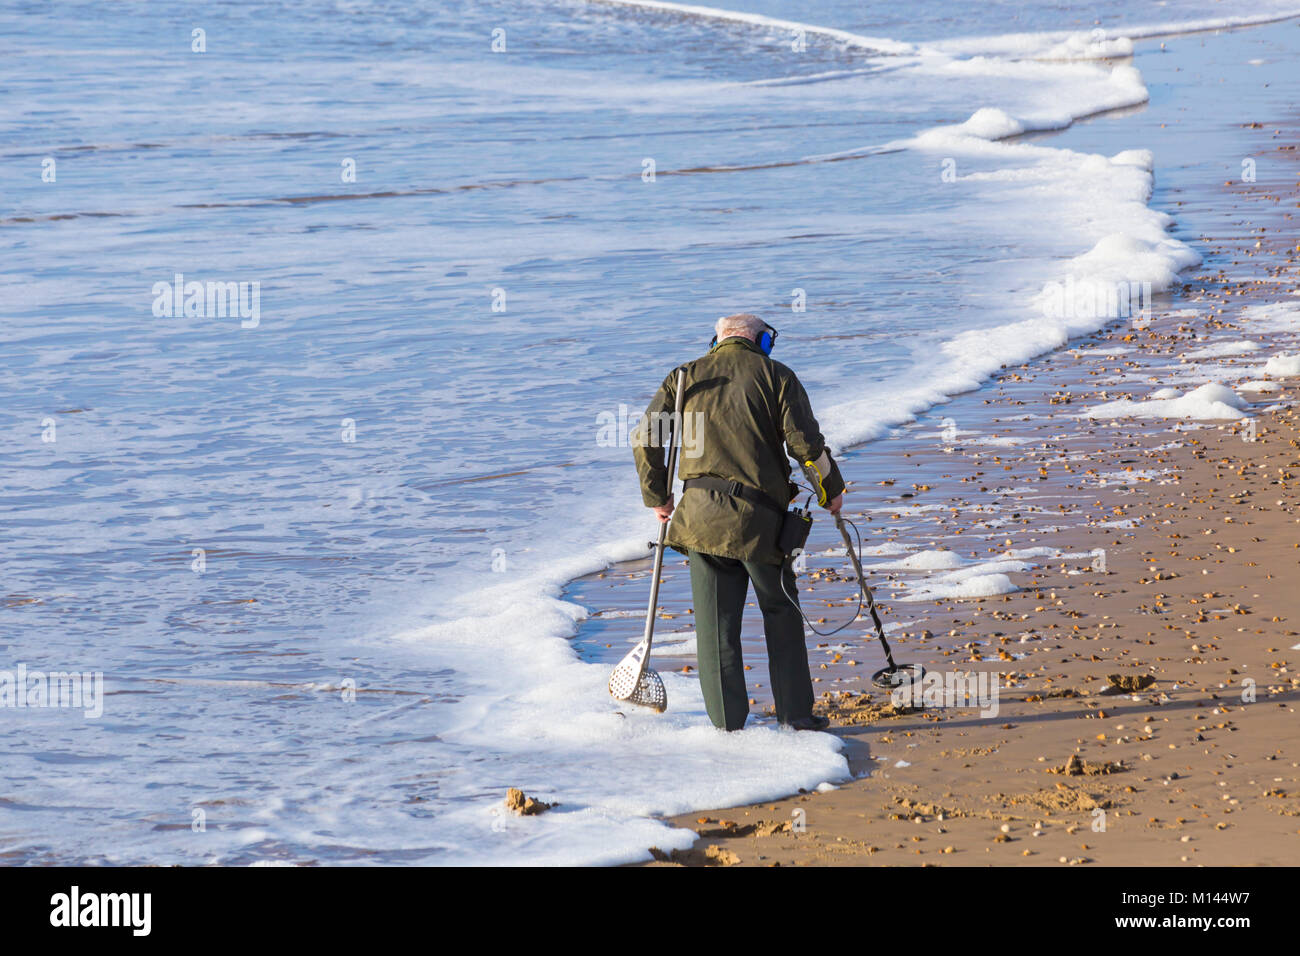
<point x="902" y="675"/>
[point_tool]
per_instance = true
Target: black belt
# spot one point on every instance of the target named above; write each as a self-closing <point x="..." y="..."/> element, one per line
<point x="736" y="490"/>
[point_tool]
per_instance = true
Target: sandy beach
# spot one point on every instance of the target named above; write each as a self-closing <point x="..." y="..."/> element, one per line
<point x="329" y="326"/>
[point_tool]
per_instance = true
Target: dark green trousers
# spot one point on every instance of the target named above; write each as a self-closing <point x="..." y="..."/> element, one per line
<point x="719" y="586"/>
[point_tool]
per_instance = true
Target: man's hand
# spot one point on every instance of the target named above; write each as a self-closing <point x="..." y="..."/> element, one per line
<point x="664" y="511"/>
<point x="834" y="506"/>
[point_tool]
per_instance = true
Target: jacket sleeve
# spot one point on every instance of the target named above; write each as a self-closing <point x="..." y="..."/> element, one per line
<point x="649" y="441"/>
<point x="805" y="444"/>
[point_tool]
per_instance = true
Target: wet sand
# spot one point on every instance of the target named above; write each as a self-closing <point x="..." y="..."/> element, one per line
<point x="1205" y="604"/>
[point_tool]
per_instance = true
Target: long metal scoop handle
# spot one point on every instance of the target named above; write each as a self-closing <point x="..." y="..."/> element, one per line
<point x="674" y="426"/>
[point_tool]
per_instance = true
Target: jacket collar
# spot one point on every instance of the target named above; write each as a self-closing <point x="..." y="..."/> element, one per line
<point x="739" y="340"/>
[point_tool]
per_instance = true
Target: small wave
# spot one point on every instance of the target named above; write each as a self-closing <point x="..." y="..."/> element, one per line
<point x="857" y="40"/>
<point x="1101" y="43"/>
<point x="824" y="77"/>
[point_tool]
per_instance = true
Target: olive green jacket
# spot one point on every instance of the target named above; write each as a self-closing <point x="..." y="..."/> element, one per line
<point x="742" y="412"/>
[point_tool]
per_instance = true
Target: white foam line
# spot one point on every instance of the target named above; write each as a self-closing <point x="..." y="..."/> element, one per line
<point x="816" y="77"/>
<point x="1149" y="30"/>
<point x="1012" y="43"/>
<point x="877" y="44"/>
<point x="1019" y="126"/>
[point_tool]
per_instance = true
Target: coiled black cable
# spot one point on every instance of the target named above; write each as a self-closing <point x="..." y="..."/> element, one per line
<point x="862" y="590"/>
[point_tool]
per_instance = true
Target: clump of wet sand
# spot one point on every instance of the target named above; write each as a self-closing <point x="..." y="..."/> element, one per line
<point x="1076" y="766"/>
<point x="519" y="802"/>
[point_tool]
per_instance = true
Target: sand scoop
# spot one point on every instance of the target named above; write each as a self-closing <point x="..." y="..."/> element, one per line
<point x="633" y="679"/>
<point x="637" y="683"/>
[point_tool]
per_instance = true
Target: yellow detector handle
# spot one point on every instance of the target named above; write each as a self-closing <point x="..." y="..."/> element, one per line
<point x="815" y="471"/>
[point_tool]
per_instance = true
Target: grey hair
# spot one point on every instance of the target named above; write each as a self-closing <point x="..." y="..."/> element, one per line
<point x="742" y="324"/>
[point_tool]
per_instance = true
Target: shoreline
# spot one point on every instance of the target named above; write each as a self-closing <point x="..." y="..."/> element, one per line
<point x="1011" y="436"/>
<point x="1196" y="521"/>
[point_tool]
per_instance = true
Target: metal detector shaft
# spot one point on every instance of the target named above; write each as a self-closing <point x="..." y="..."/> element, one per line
<point x="862" y="583"/>
<point x="675" y="426"/>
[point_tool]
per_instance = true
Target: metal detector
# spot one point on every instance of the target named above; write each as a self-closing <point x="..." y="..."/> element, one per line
<point x="895" y="675"/>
